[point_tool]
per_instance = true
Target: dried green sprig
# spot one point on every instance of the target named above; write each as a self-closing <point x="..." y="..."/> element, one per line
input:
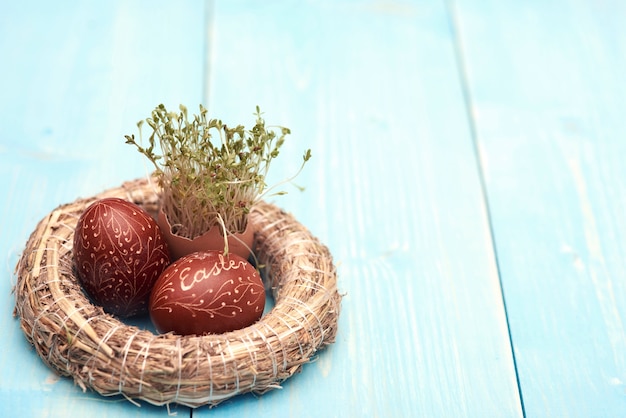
<point x="203" y="178"/>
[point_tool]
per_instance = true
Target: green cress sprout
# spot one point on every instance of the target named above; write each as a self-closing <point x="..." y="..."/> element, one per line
<point x="210" y="174"/>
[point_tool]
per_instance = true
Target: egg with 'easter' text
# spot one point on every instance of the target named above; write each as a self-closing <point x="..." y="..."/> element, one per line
<point x="207" y="293"/>
<point x="119" y="253"/>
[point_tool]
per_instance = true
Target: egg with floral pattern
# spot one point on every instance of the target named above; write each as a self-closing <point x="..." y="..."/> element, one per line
<point x="207" y="293"/>
<point x="119" y="253"/>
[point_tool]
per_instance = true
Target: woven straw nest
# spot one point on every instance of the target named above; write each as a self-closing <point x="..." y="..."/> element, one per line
<point x="77" y="339"/>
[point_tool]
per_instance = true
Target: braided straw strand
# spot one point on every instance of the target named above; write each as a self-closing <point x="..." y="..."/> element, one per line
<point x="78" y="339"/>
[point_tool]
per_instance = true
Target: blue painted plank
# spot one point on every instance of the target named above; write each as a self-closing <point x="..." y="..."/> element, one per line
<point x="546" y="81"/>
<point x="75" y="77"/>
<point x="393" y="189"/>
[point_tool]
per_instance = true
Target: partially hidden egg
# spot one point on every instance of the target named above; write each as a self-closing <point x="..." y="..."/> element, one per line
<point x="207" y="293"/>
<point x="119" y="253"/>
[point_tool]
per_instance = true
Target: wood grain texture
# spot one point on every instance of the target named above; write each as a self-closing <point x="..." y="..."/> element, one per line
<point x="548" y="96"/>
<point x="76" y="76"/>
<point x="392" y="188"/>
<point x="394" y="98"/>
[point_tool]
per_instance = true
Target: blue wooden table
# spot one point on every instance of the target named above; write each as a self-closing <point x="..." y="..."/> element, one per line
<point x="468" y="175"/>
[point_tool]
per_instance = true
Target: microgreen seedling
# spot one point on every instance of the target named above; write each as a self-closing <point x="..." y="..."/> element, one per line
<point x="209" y="173"/>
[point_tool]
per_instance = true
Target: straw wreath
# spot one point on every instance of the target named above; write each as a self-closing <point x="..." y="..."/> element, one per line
<point x="77" y="339"/>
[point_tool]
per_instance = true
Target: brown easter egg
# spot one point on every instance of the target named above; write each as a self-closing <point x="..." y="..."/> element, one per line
<point x="207" y="293"/>
<point x="119" y="253"/>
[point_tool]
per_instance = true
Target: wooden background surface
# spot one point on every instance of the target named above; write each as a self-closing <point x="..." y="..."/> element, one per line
<point x="468" y="176"/>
